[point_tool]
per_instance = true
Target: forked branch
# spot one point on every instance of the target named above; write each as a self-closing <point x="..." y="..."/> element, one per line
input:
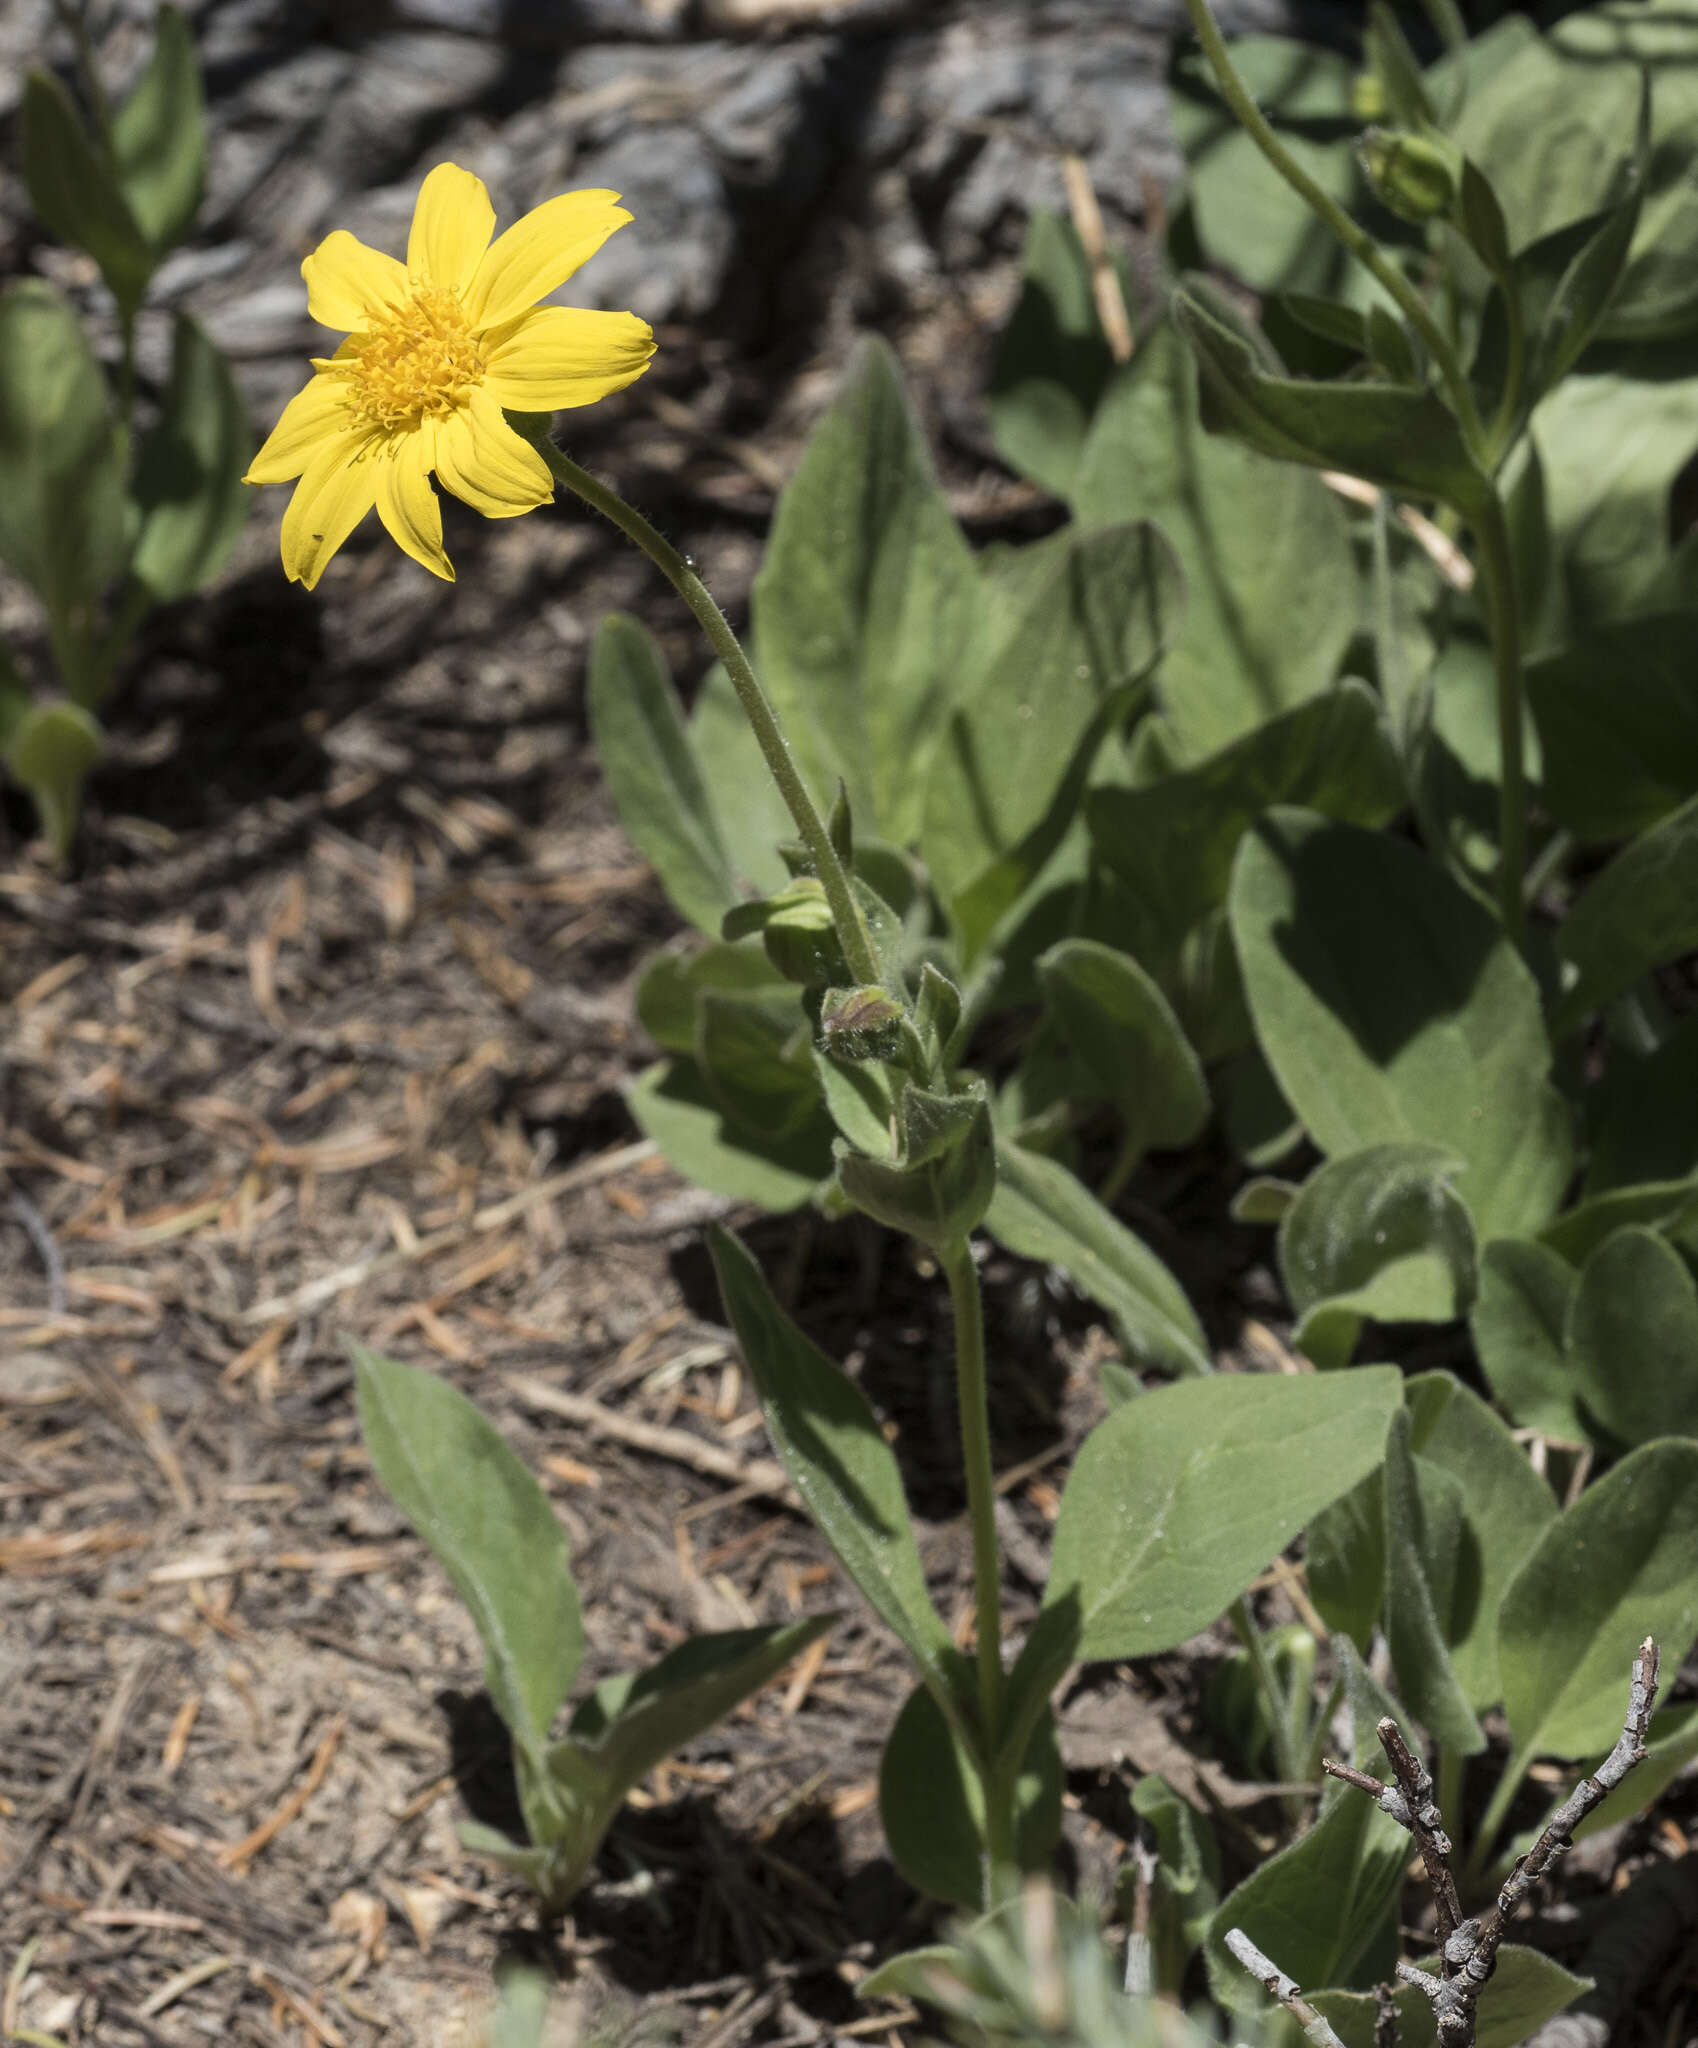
<point x="1468" y="1949"/>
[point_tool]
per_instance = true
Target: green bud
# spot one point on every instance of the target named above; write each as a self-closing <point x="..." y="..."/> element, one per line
<point x="1412" y="176"/>
<point x="796" y="928"/>
<point x="1368" y="96"/>
<point x="861" y="1024"/>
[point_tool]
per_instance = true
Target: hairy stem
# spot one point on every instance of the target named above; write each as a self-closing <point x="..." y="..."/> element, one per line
<point x="973" y="1401"/>
<point x="852" y="931"/>
<point x="1355" y="239"/>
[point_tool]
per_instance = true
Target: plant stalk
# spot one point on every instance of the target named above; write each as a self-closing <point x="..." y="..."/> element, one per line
<point x="974" y="1403"/>
<point x="852" y="932"/>
<point x="1288" y="1758"/>
<point x="1355" y="239"/>
<point x="1503" y="624"/>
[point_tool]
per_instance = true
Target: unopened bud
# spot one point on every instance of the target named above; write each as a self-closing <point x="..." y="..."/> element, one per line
<point x="1412" y="176"/>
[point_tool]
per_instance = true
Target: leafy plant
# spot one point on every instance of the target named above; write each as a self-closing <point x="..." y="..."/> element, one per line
<point x="102" y="519"/>
<point x="490" y="1525"/>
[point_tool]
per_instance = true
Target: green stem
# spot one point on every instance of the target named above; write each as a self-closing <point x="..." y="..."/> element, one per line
<point x="852" y="931"/>
<point x="1126" y="1158"/>
<point x="1446" y="17"/>
<point x="1498" y="440"/>
<point x="1452" y="1766"/>
<point x="972" y="1397"/>
<point x="1287" y="1758"/>
<point x="1355" y="239"/>
<point x="1503" y="623"/>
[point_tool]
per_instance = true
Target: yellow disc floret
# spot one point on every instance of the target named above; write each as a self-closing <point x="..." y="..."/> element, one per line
<point x="420" y="359"/>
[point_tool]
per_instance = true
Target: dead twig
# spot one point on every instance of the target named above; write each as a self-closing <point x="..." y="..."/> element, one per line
<point x="1468" y="1949"/>
<point x="1106" y="294"/>
<point x="758" y="1475"/>
<point x="1277" y="1984"/>
<point x="47" y="1250"/>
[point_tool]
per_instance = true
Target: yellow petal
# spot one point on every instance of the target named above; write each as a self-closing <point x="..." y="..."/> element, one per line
<point x="337" y="491"/>
<point x="556" y="356"/>
<point x="481" y="459"/>
<point x="539" y="253"/>
<point x="408" y="506"/>
<point x="452" y="224"/>
<point x="312" y="417"/>
<point x="348" y="284"/>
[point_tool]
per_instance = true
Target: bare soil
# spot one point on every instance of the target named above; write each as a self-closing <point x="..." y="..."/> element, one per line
<point x="324" y="1036"/>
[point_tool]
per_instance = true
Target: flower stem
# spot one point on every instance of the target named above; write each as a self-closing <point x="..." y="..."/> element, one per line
<point x="1354" y="238"/>
<point x="1503" y="623"/>
<point x="974" y="1404"/>
<point x="852" y="932"/>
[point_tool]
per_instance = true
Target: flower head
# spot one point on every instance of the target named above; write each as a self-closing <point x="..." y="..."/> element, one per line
<point x="436" y="348"/>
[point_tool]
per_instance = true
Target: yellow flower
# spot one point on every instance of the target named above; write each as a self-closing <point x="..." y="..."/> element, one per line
<point x="437" y="347"/>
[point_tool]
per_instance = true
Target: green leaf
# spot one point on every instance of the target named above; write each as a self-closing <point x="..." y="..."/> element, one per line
<point x="1040" y="1211"/>
<point x="522" y="1861"/>
<point x="864" y="602"/>
<point x="159" y="136"/>
<point x="730" y="758"/>
<point x="1548" y="131"/>
<point x="1182" y="1496"/>
<point x="51" y="749"/>
<point x="524" y="1992"/>
<point x="1633" y="1338"/>
<point x="1172" y="840"/>
<point x="1321" y="1905"/>
<point x="1272" y="587"/>
<point x="1393" y="1011"/>
<point x="62" y="520"/>
<point x="673" y="1105"/>
<point x="1383" y="1233"/>
<point x="1505" y="1506"/>
<point x="1618" y="724"/>
<point x="1517" y="1325"/>
<point x="1051" y="363"/>
<point x="1344" y="1561"/>
<point x="73" y="187"/>
<point x="1424" y="1541"/>
<point x="653" y="773"/>
<point x="1126" y="1037"/>
<point x="755" y="1055"/>
<point x="1670" y="1206"/>
<point x="1186" y="1889"/>
<point x="938" y="1200"/>
<point x="1047" y="672"/>
<point x="672" y="981"/>
<point x="1248" y="218"/>
<point x="490" y="1525"/>
<point x="188" y="485"/>
<point x="1401" y="437"/>
<point x="623" y="1729"/>
<point x="932" y="1804"/>
<point x="1611" y="447"/>
<point x="1619" y="1565"/>
<point x="1647" y="1115"/>
<point x="1640" y="913"/>
<point x="824" y="1429"/>
<point x="1525" y="1990"/>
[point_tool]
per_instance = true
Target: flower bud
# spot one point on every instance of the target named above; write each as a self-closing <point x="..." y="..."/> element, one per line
<point x="1413" y="176"/>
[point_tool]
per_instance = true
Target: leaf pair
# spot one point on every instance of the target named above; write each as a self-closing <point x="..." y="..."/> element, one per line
<point x="1173" y="1506"/>
<point x="490" y="1525"/>
<point x="128" y="193"/>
